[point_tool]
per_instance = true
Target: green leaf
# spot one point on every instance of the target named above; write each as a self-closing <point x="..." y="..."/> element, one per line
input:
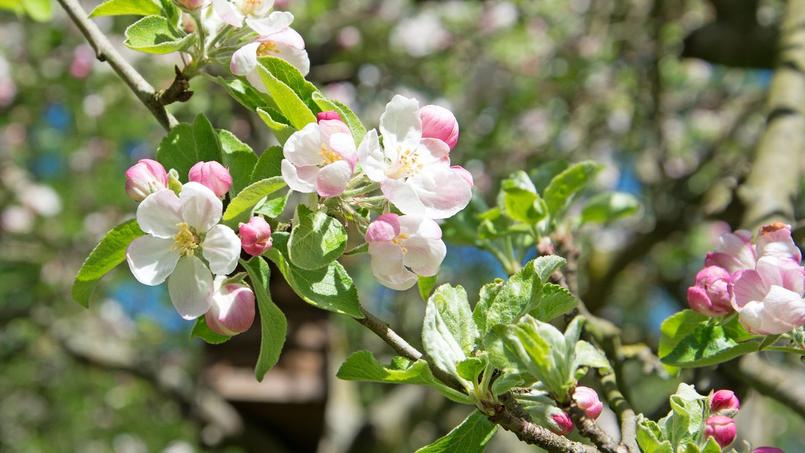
<point x="650" y="438"/>
<point x="350" y="118"/>
<point x="271" y="119"/>
<point x="109" y="252"/>
<point x="554" y="301"/>
<point x="470" y="368"/>
<point x="329" y="288"/>
<point x="245" y="94"/>
<point x="514" y="298"/>
<point x="542" y="175"/>
<point x="317" y="240"/>
<point x="685" y="422"/>
<point x="268" y="164"/>
<point x="273" y="325"/>
<point x="203" y="331"/>
<point x="293" y="108"/>
<point x="471" y="436"/>
<point x="546" y="265"/>
<point x="362" y="366"/>
<point x="239" y="158"/>
<point x="707" y="345"/>
<point x="588" y="355"/>
<point x="425" y="286"/>
<point x="126" y="7"/>
<point x="488" y="293"/>
<point x="187" y="144"/>
<point x="448" y="331"/>
<point x="676" y="327"/>
<point x="240" y="207"/>
<point x="14" y="6"/>
<point x="519" y="200"/>
<point x="38" y="10"/>
<point x="154" y="34"/>
<point x="289" y="75"/>
<point x="608" y="207"/>
<point x="711" y="446"/>
<point x="564" y="186"/>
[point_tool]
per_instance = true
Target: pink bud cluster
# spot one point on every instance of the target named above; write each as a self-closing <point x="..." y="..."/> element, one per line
<point x="764" y="280"/>
<point x="148" y="176"/>
<point x="587" y="400"/>
<point x="720" y="425"/>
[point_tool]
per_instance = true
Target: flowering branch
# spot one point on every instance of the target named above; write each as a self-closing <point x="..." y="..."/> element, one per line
<point x="105" y="51"/>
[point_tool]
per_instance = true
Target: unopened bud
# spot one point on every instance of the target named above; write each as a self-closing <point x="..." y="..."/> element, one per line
<point x="587" y="400"/>
<point x="712" y="293"/>
<point x="721" y="428"/>
<point x="564" y="425"/>
<point x="144" y="178"/>
<point x="213" y="175"/>
<point x="438" y="122"/>
<point x="255" y="236"/>
<point x="232" y="310"/>
<point x="724" y="402"/>
<point x="328" y="115"/>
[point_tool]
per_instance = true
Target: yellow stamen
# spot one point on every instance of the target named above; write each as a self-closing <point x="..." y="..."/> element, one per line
<point x="328" y="154"/>
<point x="267" y="48"/>
<point x="407" y="165"/>
<point x="398" y="242"/>
<point x="186" y="240"/>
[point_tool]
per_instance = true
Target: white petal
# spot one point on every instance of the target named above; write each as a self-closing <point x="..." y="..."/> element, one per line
<point x="403" y="197"/>
<point x="344" y="145"/>
<point x="151" y="259"/>
<point x="388" y="268"/>
<point x="244" y="60"/>
<point x="227" y="12"/>
<point x="304" y="147"/>
<point x="159" y="214"/>
<point x="371" y="156"/>
<point x="424" y="255"/>
<point x="295" y="56"/>
<point x="200" y="209"/>
<point x="420" y="226"/>
<point x="300" y="179"/>
<point x="190" y="288"/>
<point x="332" y="179"/>
<point x="400" y="122"/>
<point x="441" y="190"/>
<point x="747" y="287"/>
<point x="221" y="248"/>
<point x="276" y="21"/>
<point x="437" y="148"/>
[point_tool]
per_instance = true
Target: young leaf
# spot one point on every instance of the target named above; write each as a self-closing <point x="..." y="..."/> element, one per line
<point x="268" y="164"/>
<point x="608" y="207"/>
<point x="470" y="368"/>
<point x="554" y="301"/>
<point x="208" y="147"/>
<point x="362" y="366"/>
<point x="471" y="436"/>
<point x="676" y="327"/>
<point x="588" y="355"/>
<point x="240" y="206"/>
<point x="289" y="75"/>
<point x="245" y="94"/>
<point x="293" y="108"/>
<point x="153" y="34"/>
<point x="488" y="293"/>
<point x="564" y="186"/>
<point x="708" y="344"/>
<point x="272" y="119"/>
<point x="448" y="331"/>
<point x="519" y="199"/>
<point x="126" y="7"/>
<point x="38" y="10"/>
<point x="425" y="286"/>
<point x="203" y="331"/>
<point x="546" y="265"/>
<point x="350" y="118"/>
<point x="109" y="252"/>
<point x="239" y="158"/>
<point x="273" y="325"/>
<point x="317" y="240"/>
<point x="514" y="298"/>
<point x="650" y="438"/>
<point x="329" y="288"/>
<point x="187" y="144"/>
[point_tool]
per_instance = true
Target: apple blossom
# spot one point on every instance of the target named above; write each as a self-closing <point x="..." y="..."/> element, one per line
<point x="413" y="171"/>
<point x="212" y="175"/>
<point x="769" y="298"/>
<point x="724" y="402"/>
<point x="721" y="428"/>
<point x="180" y="231"/>
<point x="234" y="12"/>
<point x="403" y="248"/>
<point x="712" y="293"/>
<point x="255" y="236"/>
<point x="275" y="38"/>
<point x="440" y="123"/>
<point x="232" y="310"/>
<point x="734" y="252"/>
<point x="563" y="424"/>
<point x="775" y="240"/>
<point x="144" y="178"/>
<point x="587" y="400"/>
<point x="319" y="158"/>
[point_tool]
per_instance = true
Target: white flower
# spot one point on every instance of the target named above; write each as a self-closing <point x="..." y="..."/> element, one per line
<point x="236" y="11"/>
<point x="184" y="241"/>
<point x="414" y="172"/>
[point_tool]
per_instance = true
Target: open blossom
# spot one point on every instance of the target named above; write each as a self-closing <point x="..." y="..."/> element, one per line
<point x="414" y="171"/>
<point x="232" y="310"/>
<point x="769" y="298"/>
<point x="212" y="175"/>
<point x="724" y="402"/>
<point x="775" y="240"/>
<point x="587" y="400"/>
<point x="144" y="178"/>
<point x="712" y="293"/>
<point x="180" y="231"/>
<point x="734" y="252"/>
<point x="234" y="12"/>
<point x="721" y="428"/>
<point x="275" y="38"/>
<point x="438" y="122"/>
<point x="319" y="158"/>
<point x="255" y="236"/>
<point x="403" y="248"/>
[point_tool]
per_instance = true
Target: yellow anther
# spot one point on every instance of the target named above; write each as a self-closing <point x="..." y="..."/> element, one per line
<point x="267" y="48"/>
<point x="186" y="240"/>
<point x="328" y="154"/>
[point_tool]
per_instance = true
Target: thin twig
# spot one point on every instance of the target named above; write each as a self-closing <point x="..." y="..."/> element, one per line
<point x="590" y="429"/>
<point x="105" y="51"/>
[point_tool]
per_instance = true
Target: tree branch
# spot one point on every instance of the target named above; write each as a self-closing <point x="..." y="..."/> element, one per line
<point x="590" y="429"/>
<point x="105" y="51"/>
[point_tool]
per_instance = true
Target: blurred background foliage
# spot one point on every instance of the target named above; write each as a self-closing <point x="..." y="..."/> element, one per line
<point x="531" y="82"/>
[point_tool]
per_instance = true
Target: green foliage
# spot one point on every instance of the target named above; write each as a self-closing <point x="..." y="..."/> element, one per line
<point x="564" y="186"/>
<point x="317" y="240"/>
<point x="187" y="144"/>
<point x="520" y="201"/>
<point x="203" y="331"/>
<point x="608" y="207"/>
<point x="329" y="288"/>
<point x="156" y="35"/>
<point x="239" y="158"/>
<point x="245" y="94"/>
<point x="471" y="436"/>
<point x="109" y="252"/>
<point x="273" y="325"/>
<point x="682" y="429"/>
<point x="268" y="164"/>
<point x="38" y="10"/>
<point x="425" y="286"/>
<point x="690" y="339"/>
<point x="290" y="76"/>
<point x="448" y="331"/>
<point x="288" y="102"/>
<point x="275" y="122"/>
<point x="362" y="366"/>
<point x="126" y="7"/>
<point x="239" y="209"/>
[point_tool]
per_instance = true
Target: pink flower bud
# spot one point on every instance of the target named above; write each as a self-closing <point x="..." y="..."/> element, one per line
<point x="212" y="175"/>
<point x="232" y="310"/>
<point x="384" y="228"/>
<point x="721" y="428"/>
<point x="768" y="450"/>
<point x="724" y="402"/>
<point x="192" y="4"/>
<point x="438" y="122"/>
<point x="255" y="236"/>
<point x="144" y="178"/>
<point x="564" y="425"/>
<point x="328" y="115"/>
<point x="712" y="293"/>
<point x="587" y="400"/>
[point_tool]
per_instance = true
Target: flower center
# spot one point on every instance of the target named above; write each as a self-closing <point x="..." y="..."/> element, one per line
<point x="248" y="6"/>
<point x="399" y="239"/>
<point x="186" y="240"/>
<point x="328" y="154"/>
<point x="266" y="48"/>
<point x="407" y="164"/>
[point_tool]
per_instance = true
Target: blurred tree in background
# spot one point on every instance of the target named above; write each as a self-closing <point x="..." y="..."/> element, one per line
<point x="669" y="94"/>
